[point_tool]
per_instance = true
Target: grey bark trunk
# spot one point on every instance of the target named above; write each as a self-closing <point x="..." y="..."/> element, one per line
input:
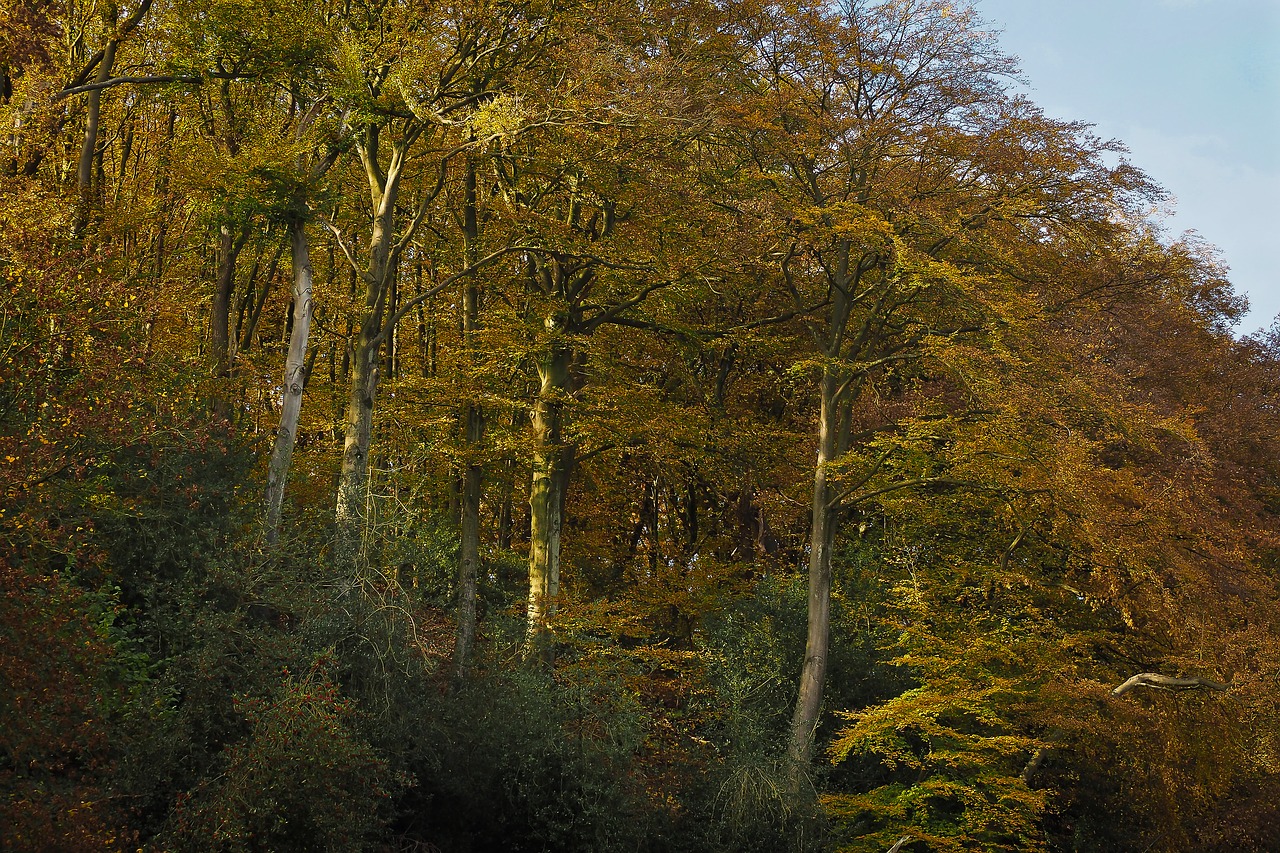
<point x="353" y="479"/>
<point x="833" y="440"/>
<point x="89" y="147"/>
<point x="473" y="474"/>
<point x="546" y="501"/>
<point x="294" y="376"/>
<point x="813" y="673"/>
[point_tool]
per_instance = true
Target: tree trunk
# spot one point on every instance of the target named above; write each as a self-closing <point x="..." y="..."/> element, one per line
<point x="294" y="375"/>
<point x="469" y="559"/>
<point x="353" y="479"/>
<point x="813" y="673"/>
<point x="229" y="246"/>
<point x="473" y="474"/>
<point x="833" y="440"/>
<point x="546" y="501"/>
<point x="89" y="147"/>
<point x="162" y="192"/>
<point x="253" y="301"/>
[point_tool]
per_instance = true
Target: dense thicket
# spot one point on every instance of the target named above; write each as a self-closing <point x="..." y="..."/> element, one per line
<point x="551" y="425"/>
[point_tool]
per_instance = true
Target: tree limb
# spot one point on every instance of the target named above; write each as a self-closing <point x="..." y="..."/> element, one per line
<point x="117" y="81"/>
<point x="351" y="259"/>
<point x="897" y="487"/>
<point x="1165" y="682"/>
<point x="610" y="314"/>
<point x="427" y="294"/>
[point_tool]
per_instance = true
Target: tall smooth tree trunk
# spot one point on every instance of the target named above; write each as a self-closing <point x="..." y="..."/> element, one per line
<point x="546" y="503"/>
<point x="89" y="146"/>
<point x="353" y="479"/>
<point x="473" y="474"/>
<point x="294" y="376"/>
<point x="833" y="440"/>
<point x="813" y="672"/>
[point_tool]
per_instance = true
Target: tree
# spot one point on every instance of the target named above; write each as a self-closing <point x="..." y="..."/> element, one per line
<point x="812" y="349"/>
<point x="417" y="93"/>
<point x="899" y="167"/>
<point x="603" y="245"/>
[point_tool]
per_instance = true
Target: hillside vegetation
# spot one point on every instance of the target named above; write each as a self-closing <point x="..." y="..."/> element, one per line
<point x="593" y="425"/>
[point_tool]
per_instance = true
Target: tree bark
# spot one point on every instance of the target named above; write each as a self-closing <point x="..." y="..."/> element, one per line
<point x="546" y="501"/>
<point x="473" y="474"/>
<point x="229" y="246"/>
<point x="89" y="147"/>
<point x="1165" y="682"/>
<point x="294" y="380"/>
<point x="813" y="672"/>
<point x="353" y="479"/>
<point x="469" y="558"/>
<point x="162" y="191"/>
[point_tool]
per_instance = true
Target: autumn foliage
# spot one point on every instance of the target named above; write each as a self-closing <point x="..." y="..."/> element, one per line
<point x="689" y="427"/>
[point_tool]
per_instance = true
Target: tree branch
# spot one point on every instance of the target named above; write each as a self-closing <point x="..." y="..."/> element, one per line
<point x="610" y="314"/>
<point x="866" y="478"/>
<point x="897" y="487"/>
<point x="118" y="81"/>
<point x="430" y="292"/>
<point x="1165" y="682"/>
<point x="351" y="259"/>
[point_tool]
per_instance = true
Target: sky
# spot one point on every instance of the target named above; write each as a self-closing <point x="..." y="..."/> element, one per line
<point x="1192" y="87"/>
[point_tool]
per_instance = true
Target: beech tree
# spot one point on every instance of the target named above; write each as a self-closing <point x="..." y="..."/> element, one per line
<point x="898" y="164"/>
<point x="595" y="189"/>
<point x="409" y="103"/>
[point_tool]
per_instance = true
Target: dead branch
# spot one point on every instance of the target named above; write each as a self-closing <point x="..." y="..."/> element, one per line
<point x="1165" y="682"/>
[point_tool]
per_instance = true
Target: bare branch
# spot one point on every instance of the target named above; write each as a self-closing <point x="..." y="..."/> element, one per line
<point x="351" y="259"/>
<point x="118" y="81"/>
<point x="1165" y="682"/>
<point x="453" y="279"/>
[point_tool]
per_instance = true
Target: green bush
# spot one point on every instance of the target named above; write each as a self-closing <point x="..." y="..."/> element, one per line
<point x="303" y="779"/>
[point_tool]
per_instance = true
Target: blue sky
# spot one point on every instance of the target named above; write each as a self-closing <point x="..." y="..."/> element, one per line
<point x="1193" y="88"/>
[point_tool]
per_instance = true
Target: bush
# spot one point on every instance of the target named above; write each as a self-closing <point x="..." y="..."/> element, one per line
<point x="302" y="780"/>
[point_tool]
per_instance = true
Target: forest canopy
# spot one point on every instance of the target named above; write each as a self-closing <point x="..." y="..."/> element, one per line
<point x="593" y="425"/>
